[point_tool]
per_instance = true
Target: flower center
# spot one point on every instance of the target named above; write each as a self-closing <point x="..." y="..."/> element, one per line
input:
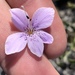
<point x="30" y="31"/>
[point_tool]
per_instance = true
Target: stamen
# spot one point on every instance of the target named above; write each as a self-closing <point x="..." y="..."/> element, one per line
<point x="30" y="32"/>
<point x="27" y="17"/>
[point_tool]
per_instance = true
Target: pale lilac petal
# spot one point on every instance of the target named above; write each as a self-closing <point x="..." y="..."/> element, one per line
<point x="35" y="44"/>
<point x="15" y="43"/>
<point x="43" y="18"/>
<point x="19" y="18"/>
<point x="46" y="37"/>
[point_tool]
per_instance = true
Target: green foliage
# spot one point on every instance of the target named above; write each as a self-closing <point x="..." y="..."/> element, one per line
<point x="68" y="57"/>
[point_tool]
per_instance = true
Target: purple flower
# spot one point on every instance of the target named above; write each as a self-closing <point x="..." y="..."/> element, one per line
<point x="31" y="33"/>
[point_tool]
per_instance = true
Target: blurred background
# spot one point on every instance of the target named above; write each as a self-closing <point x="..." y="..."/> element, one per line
<point x="65" y="64"/>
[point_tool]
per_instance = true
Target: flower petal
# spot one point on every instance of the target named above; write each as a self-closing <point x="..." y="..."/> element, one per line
<point x="15" y="43"/>
<point x="43" y="18"/>
<point x="35" y="44"/>
<point x="19" y="18"/>
<point x="46" y="37"/>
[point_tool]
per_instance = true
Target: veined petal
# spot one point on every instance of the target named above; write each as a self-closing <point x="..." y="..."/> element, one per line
<point x="15" y="43"/>
<point x="46" y="37"/>
<point x="43" y="18"/>
<point x="19" y="18"/>
<point x="35" y="44"/>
